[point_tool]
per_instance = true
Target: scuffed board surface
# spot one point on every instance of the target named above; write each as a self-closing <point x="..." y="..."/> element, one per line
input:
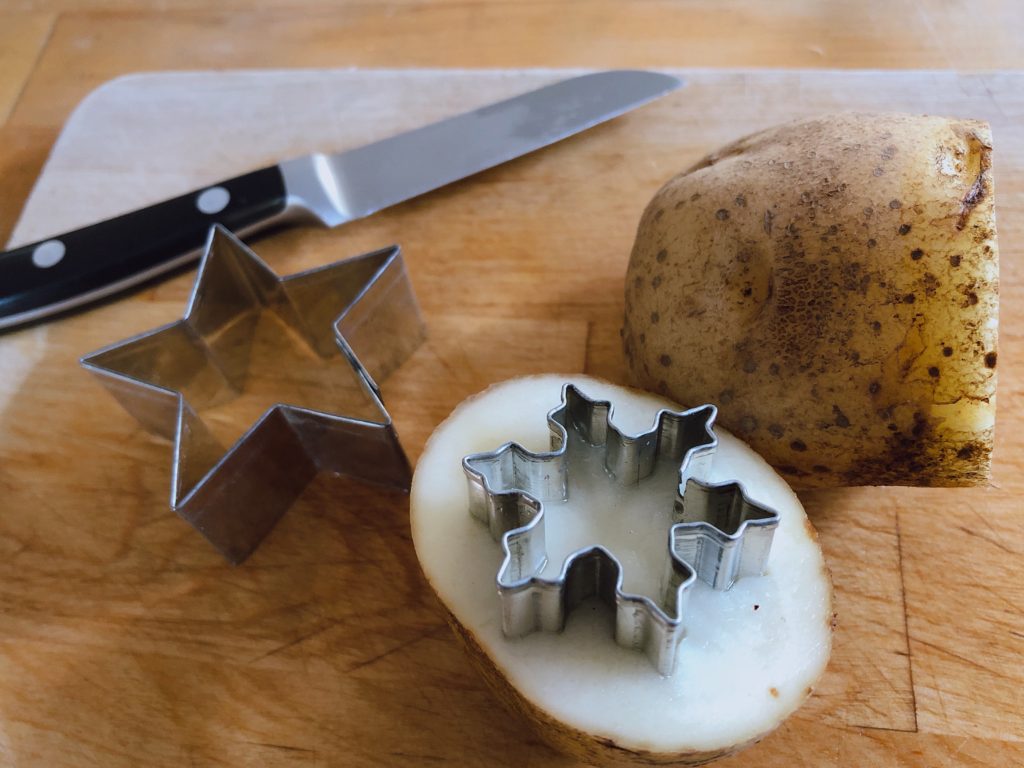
<point x="125" y="640"/>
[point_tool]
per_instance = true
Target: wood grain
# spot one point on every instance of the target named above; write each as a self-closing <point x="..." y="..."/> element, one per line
<point x="96" y="40"/>
<point x="508" y="33"/>
<point x="124" y="640"/>
<point x="963" y="639"/>
<point x="22" y="38"/>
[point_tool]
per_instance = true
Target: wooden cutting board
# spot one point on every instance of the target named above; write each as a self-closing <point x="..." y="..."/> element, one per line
<point x="126" y="640"/>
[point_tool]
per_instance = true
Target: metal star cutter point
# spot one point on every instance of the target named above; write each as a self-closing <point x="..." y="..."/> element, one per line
<point x="164" y="377"/>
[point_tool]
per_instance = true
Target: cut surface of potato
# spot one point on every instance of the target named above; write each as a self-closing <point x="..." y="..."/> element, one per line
<point x="832" y="285"/>
<point x="750" y="656"/>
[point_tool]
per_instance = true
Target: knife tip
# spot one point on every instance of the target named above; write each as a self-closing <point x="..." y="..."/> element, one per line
<point x="662" y="81"/>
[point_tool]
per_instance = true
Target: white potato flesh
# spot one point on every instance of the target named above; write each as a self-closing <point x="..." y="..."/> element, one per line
<point x="751" y="654"/>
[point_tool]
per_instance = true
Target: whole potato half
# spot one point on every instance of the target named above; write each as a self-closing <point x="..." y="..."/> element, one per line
<point x="832" y="285"/>
<point x="751" y="655"/>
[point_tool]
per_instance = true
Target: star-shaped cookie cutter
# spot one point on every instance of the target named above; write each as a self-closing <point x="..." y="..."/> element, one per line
<point x="235" y="497"/>
<point x="718" y="534"/>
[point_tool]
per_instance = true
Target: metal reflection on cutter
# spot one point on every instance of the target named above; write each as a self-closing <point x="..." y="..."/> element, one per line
<point x="717" y="533"/>
<point x="364" y="304"/>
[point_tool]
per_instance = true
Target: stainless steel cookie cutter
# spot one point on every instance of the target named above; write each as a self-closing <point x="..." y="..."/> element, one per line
<point x="717" y="535"/>
<point x="234" y="497"/>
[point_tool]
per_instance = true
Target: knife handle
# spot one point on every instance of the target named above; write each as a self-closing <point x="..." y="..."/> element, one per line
<point x="78" y="267"/>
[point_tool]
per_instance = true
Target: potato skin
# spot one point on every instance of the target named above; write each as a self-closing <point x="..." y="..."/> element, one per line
<point x="832" y="285"/>
<point x="583" y="746"/>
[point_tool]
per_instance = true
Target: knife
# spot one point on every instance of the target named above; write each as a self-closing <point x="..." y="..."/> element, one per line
<point x="75" y="268"/>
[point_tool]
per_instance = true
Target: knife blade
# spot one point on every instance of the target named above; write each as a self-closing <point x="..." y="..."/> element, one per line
<point x="75" y="268"/>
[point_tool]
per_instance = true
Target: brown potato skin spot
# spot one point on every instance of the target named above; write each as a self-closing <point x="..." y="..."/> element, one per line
<point x="826" y="303"/>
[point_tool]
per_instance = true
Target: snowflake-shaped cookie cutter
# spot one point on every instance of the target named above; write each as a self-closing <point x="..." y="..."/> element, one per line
<point x="718" y="533"/>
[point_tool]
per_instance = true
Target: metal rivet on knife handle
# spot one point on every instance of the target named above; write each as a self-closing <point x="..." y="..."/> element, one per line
<point x="328" y="188"/>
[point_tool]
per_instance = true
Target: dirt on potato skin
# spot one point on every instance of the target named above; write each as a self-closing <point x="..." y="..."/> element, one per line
<point x="832" y="285"/>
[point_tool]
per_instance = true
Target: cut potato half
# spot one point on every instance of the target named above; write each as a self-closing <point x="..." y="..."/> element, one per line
<point x="750" y="656"/>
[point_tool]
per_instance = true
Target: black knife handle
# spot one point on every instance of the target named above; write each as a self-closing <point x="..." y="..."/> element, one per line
<point x="74" y="268"/>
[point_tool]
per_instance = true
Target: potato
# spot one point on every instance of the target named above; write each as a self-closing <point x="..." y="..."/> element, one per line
<point x="750" y="656"/>
<point x="832" y="285"/>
